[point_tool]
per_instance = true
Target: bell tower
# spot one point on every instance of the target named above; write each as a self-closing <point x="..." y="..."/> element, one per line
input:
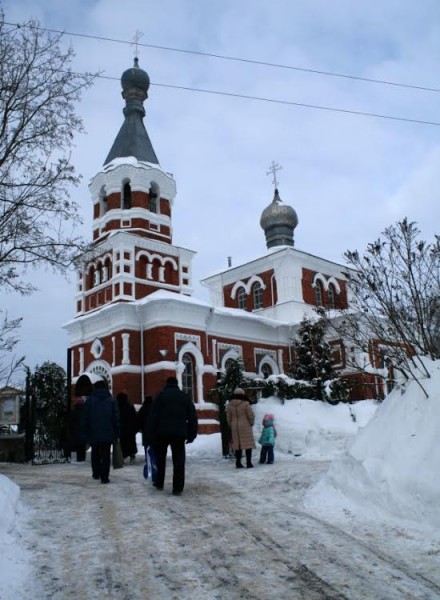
<point x="132" y="252"/>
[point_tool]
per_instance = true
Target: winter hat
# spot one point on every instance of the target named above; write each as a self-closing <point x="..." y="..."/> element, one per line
<point x="268" y="417"/>
<point x="239" y="392"/>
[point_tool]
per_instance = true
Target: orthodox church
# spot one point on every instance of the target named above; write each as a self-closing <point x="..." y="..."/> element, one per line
<point x="136" y="322"/>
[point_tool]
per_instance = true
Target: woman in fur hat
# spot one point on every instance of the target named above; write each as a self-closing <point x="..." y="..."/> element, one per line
<point x="241" y="419"/>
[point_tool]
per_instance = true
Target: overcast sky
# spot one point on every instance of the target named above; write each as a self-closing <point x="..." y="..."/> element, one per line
<point x="348" y="177"/>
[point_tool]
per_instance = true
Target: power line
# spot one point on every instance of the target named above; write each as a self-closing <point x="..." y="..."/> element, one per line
<point x="249" y="97"/>
<point x="358" y="113"/>
<point x="238" y="59"/>
<point x="302" y="105"/>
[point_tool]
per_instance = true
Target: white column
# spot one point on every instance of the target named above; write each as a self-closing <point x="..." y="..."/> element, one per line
<point x="200" y="398"/>
<point x="81" y="360"/>
<point x="125" y="349"/>
<point x="180" y="367"/>
<point x="280" y="361"/>
<point x="113" y="351"/>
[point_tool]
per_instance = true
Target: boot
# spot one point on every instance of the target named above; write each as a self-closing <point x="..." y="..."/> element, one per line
<point x="249" y="464"/>
<point x="238" y="459"/>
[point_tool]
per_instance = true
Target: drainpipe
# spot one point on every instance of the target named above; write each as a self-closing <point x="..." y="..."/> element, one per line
<point x="142" y="353"/>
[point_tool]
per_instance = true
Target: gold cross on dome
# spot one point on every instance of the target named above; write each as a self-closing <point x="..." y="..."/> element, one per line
<point x="274" y="167"/>
<point x="137" y="36"/>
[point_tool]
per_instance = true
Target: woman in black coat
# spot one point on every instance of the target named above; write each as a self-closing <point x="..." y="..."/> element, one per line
<point x="128" y="424"/>
<point x="142" y="418"/>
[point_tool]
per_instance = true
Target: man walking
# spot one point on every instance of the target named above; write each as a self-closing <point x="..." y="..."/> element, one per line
<point x="172" y="421"/>
<point x="100" y="428"/>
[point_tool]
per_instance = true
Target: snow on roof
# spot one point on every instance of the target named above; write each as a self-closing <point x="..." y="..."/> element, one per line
<point x="130" y="160"/>
<point x="162" y="295"/>
<point x="238" y="312"/>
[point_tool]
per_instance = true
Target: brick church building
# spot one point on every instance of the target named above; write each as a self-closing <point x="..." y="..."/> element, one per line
<point x="136" y="321"/>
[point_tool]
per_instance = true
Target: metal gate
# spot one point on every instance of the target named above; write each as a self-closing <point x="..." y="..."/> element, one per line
<point x="42" y="446"/>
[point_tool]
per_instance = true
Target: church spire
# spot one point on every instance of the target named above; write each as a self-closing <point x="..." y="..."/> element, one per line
<point x="132" y="139"/>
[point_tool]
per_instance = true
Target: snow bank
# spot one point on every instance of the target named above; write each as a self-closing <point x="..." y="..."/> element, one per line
<point x="311" y="428"/>
<point x="393" y="463"/>
<point x="14" y="561"/>
<point x="9" y="495"/>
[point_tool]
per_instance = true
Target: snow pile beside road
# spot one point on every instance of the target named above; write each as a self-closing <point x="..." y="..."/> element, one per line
<point x="9" y="495"/>
<point x="313" y="429"/>
<point x="13" y="557"/>
<point x="393" y="464"/>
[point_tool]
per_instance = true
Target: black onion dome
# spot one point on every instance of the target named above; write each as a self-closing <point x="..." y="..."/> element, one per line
<point x="135" y="77"/>
<point x="133" y="139"/>
<point x="278" y="221"/>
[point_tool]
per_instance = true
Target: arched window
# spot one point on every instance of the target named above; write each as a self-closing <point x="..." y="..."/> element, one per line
<point x="91" y="278"/>
<point x="99" y="274"/>
<point x="257" y="294"/>
<point x="126" y="196"/>
<point x="318" y="293"/>
<point x="102" y="202"/>
<point x="108" y="267"/>
<point x="241" y="298"/>
<point x="188" y="375"/>
<point x="153" y="194"/>
<point x="168" y="273"/>
<point x="331" y="296"/>
<point x="266" y="370"/>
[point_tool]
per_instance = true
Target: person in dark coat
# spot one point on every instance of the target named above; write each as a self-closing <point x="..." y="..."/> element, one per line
<point x="143" y="417"/>
<point x="76" y="441"/>
<point x="100" y="428"/>
<point x="172" y="421"/>
<point x="128" y="421"/>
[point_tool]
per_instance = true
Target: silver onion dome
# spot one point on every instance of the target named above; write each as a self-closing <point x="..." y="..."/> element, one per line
<point x="278" y="221"/>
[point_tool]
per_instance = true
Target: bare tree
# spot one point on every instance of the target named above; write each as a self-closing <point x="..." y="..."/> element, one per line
<point x="38" y="95"/>
<point x="8" y="339"/>
<point x="395" y="300"/>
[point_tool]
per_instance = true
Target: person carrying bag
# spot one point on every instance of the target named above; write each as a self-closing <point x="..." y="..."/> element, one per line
<point x="118" y="458"/>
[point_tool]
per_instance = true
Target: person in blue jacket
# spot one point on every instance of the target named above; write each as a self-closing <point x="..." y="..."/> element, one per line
<point x="100" y="428"/>
<point x="267" y="440"/>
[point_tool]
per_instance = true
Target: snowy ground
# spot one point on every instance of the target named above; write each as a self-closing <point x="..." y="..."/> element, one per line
<point x="318" y="524"/>
<point x="233" y="534"/>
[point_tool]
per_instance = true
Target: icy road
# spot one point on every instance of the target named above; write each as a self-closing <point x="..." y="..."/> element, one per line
<point x="233" y="534"/>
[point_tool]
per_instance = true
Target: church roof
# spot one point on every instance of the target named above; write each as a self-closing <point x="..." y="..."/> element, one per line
<point x="133" y="139"/>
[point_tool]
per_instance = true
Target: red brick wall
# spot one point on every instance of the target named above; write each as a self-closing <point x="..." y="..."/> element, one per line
<point x="165" y="208"/>
<point x="95" y="299"/>
<point x="130" y="384"/>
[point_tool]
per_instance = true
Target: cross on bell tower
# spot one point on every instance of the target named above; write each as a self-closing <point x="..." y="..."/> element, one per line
<point x="135" y="43"/>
